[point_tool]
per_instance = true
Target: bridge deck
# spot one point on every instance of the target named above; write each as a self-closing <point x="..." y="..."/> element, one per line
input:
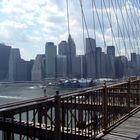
<point x="128" y="130"/>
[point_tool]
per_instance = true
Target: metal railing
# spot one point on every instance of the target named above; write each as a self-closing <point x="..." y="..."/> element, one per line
<point x="84" y="114"/>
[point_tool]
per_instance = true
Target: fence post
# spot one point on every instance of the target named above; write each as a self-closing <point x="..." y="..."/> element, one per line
<point x="105" y="106"/>
<point x="57" y="116"/>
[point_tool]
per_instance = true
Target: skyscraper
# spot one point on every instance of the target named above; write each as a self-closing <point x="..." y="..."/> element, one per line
<point x="119" y="67"/>
<point x="71" y="55"/>
<point x="22" y="70"/>
<point x="134" y="60"/>
<point x="71" y="46"/>
<point x="4" y="61"/>
<point x="110" y="61"/>
<point x="91" y="57"/>
<point x="138" y="60"/>
<point x="50" y="54"/>
<point x="79" y="65"/>
<point x="61" y="66"/>
<point x="103" y="65"/>
<point x="38" y="70"/>
<point x="98" y="62"/>
<point x="63" y="48"/>
<point x="14" y="58"/>
<point x="29" y="69"/>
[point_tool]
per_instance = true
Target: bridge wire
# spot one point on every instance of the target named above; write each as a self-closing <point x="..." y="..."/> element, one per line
<point x="131" y="25"/>
<point x="102" y="30"/>
<point x="100" y="24"/>
<point x="124" y="24"/>
<point x="68" y="22"/>
<point x="119" y="27"/>
<point x="69" y="42"/>
<point x="111" y="21"/>
<point x="83" y="36"/>
<point x="110" y="24"/>
<point x="112" y="39"/>
<point x="103" y="26"/>
<point x="138" y="12"/>
<point x="86" y="27"/>
<point x="137" y="22"/>
<point x="118" y="39"/>
<point x="84" y="19"/>
<point x="102" y="17"/>
<point x="123" y="37"/>
<point x="130" y="29"/>
<point x="135" y="25"/>
<point x="93" y="18"/>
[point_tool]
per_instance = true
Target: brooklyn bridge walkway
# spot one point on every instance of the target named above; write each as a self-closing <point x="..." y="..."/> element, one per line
<point x="106" y="112"/>
<point x="128" y="130"/>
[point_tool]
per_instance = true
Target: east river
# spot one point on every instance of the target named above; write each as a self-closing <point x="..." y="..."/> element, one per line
<point x="20" y="91"/>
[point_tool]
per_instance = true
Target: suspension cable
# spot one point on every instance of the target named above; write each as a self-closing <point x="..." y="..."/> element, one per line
<point x="124" y="41"/>
<point x="129" y="23"/>
<point x="68" y="23"/>
<point x="137" y="11"/>
<point x="110" y="24"/>
<point x="133" y="24"/>
<point x="137" y="24"/>
<point x="124" y="23"/>
<point x="84" y="19"/>
<point x="100" y="23"/>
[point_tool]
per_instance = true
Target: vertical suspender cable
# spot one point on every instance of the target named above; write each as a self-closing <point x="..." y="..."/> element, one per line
<point x="111" y="21"/>
<point x="124" y="24"/>
<point x="93" y="18"/>
<point x="123" y="37"/>
<point x="99" y="22"/>
<point x="110" y="24"/>
<point x="68" y="23"/>
<point x="129" y="24"/>
<point x="69" y="45"/>
<point x="137" y="24"/>
<point x="134" y="26"/>
<point x="83" y="30"/>
<point x="85" y="23"/>
<point x="138" y="12"/>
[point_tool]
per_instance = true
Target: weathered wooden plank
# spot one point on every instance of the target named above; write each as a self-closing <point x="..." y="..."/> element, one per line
<point x="128" y="130"/>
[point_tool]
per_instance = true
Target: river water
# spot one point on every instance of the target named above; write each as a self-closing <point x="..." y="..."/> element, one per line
<point x="17" y="92"/>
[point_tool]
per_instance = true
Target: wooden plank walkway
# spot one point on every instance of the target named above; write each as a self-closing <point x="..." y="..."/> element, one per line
<point x="128" y="130"/>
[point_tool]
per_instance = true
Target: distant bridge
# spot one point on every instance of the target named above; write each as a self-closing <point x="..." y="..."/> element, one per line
<point x="84" y="114"/>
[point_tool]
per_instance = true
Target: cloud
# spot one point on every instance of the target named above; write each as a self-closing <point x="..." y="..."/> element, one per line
<point x="28" y="24"/>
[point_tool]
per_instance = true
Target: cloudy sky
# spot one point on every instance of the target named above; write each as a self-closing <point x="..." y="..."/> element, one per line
<point x="29" y="24"/>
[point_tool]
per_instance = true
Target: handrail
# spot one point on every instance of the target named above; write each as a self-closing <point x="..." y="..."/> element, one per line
<point x="66" y="95"/>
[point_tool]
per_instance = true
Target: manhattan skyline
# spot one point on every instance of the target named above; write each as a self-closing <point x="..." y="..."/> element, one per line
<point x="28" y="25"/>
